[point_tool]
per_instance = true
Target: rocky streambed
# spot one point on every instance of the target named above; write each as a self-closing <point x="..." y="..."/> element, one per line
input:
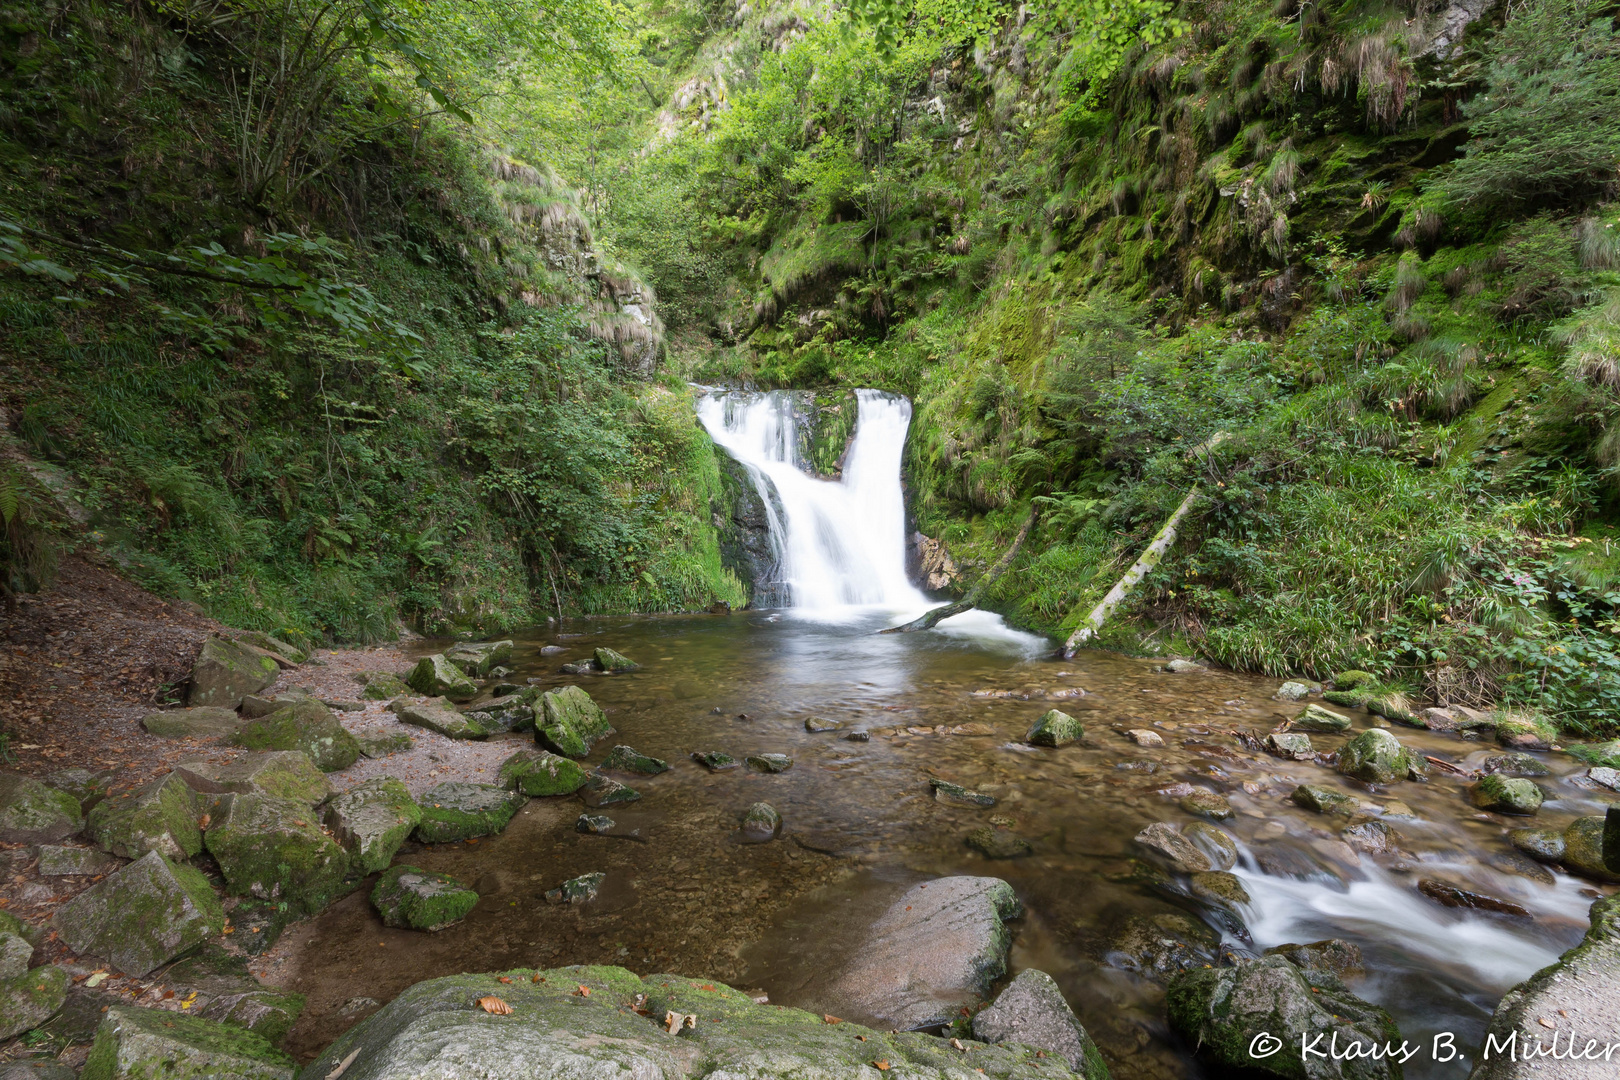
<point x="827" y="836"/>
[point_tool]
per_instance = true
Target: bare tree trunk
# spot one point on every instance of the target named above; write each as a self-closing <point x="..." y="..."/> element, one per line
<point x="931" y="619"/>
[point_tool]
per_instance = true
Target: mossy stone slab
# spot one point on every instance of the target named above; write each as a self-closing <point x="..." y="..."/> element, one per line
<point x="570" y="723"/>
<point x="202" y="722"/>
<point x="626" y="759"/>
<point x="274" y="849"/>
<point x="457" y="810"/>
<point x="541" y="773"/>
<point x="160" y="816"/>
<point x="418" y="899"/>
<point x="436" y="716"/>
<point x="225" y="672"/>
<point x="372" y="820"/>
<point x="284" y="774"/>
<point x="156" y="1044"/>
<point x="305" y="725"/>
<point x="142" y="916"/>
<point x="33" y="813"/>
<point x="1055" y="728"/>
<point x="30" y="998"/>
<point x="436" y="676"/>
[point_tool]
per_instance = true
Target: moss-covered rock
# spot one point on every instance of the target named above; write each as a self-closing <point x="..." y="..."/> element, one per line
<point x="1323" y="800"/>
<point x="1214" y="842"/>
<point x="160" y="816"/>
<point x="626" y="759"/>
<point x="1055" y="728"/>
<point x="305" y="725"/>
<point x="510" y="712"/>
<point x="436" y="716"/>
<point x="420" y="899"/>
<point x="142" y="916"/>
<point x="1353" y="679"/>
<point x="579" y="890"/>
<point x="1396" y="706"/>
<point x="1207" y="804"/>
<point x="1320" y="720"/>
<point x="382" y="685"/>
<point x="459" y="811"/>
<point x="1296" y="746"/>
<point x="1377" y="757"/>
<point x="1505" y="795"/>
<point x="1543" y="845"/>
<point x="226" y="991"/>
<point x="204" y="721"/>
<point x="270" y="644"/>
<point x="570" y="723"/>
<point x="600" y="789"/>
<point x="32" y="813"/>
<point x="435" y="676"/>
<point x="87" y="787"/>
<point x="226" y="672"/>
<point x="769" y="763"/>
<point x="1158" y="947"/>
<point x="58" y="860"/>
<point x="541" y="773"/>
<point x="371" y="821"/>
<point x="274" y="849"/>
<point x="1514" y="764"/>
<point x="285" y="774"/>
<point x="614" y="663"/>
<point x="1583" y="850"/>
<point x="1221" y="1012"/>
<point x="1605" y="754"/>
<point x="957" y="795"/>
<point x="715" y="760"/>
<point x="1525" y="731"/>
<point x="478" y="660"/>
<point x="156" y="1044"/>
<point x="31" y="997"/>
<point x="761" y="822"/>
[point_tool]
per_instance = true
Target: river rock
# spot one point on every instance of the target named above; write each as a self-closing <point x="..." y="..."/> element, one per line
<point x="956" y="795"/>
<point x="1222" y="1011"/>
<point x="510" y="712"/>
<point x="274" y="849"/>
<point x="1604" y="777"/>
<point x="769" y="763"/>
<point x="254" y="706"/>
<point x="1207" y="804"/>
<point x="1353" y="679"/>
<point x="571" y="723"/>
<point x="1505" y="795"/>
<point x="436" y="716"/>
<point x="306" y="725"/>
<point x="1377" y="757"/>
<point x="135" y="1044"/>
<point x="1332" y="955"/>
<point x="935" y="950"/>
<point x="56" y="860"/>
<point x="1320" y="720"/>
<point x="595" y="824"/>
<point x="142" y="916"/>
<point x="32" y="813"/>
<point x="480" y="659"/>
<point x="994" y="842"/>
<point x="1158" y="946"/>
<point x="1372" y="837"/>
<point x="1396" y="707"/>
<point x="205" y="721"/>
<point x="1144" y="737"/>
<point x="382" y="685"/>
<point x="1055" y="728"/>
<point x="1183" y="667"/>
<point x="1440" y="719"/>
<point x="815" y="725"/>
<point x="285" y="774"/>
<point x="383" y="744"/>
<point x="1520" y="732"/>
<point x="715" y="760"/>
<point x="1573" y="1000"/>
<point x="436" y="676"/>
<point x="371" y="821"/>
<point x="761" y="822"/>
<point x="626" y="759"/>
<point x="456" y="810"/>
<point x="1032" y="1011"/>
<point x="1294" y="691"/>
<point x="602" y="790"/>
<point x="580" y="890"/>
<point x="614" y="663"/>
<point x="556" y="1031"/>
<point x="1213" y="842"/>
<point x="1583" y="850"/>
<point x="159" y="816"/>
<point x="1220" y="888"/>
<point x="1166" y="845"/>
<point x="1514" y="764"/>
<point x="1448" y="895"/>
<point x="420" y="899"/>
<point x="1543" y="845"/>
<point x="225" y="672"/>
<point x="1511" y="862"/>
<point x="541" y="773"/>
<point x="1606" y="754"/>
<point x="1293" y="745"/>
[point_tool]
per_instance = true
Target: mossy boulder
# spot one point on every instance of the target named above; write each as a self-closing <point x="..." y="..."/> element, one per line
<point x="1033" y="1012"/>
<point x="285" y="774"/>
<point x="614" y="663"/>
<point x="226" y="990"/>
<point x="1165" y="844"/>
<point x="579" y="890"/>
<point x="1514" y="764"/>
<point x="1296" y="746"/>
<point x="1320" y="720"/>
<point x="1377" y="757"/>
<point x="715" y="760"/>
<point x="1505" y="795"/>
<point x="602" y="790"/>
<point x="457" y="810"/>
<point x="272" y="644"/>
<point x="1323" y="800"/>
<point x="1054" y="728"/>
<point x="156" y="1044"/>
<point x="57" y="860"/>
<point x="305" y="725"/>
<point x="1583" y="850"/>
<point x="159" y="816"/>
<point x="1525" y="731"/>
<point x="371" y="820"/>
<point x="436" y="716"/>
<point x="382" y="686"/>
<point x="478" y="660"/>
<point x="1543" y="845"/>
<point x="383" y="744"/>
<point x="1221" y="1012"/>
<point x="1214" y="842"/>
<point x="769" y="763"/>
<point x="1604" y="754"/>
<point x="570" y="723"/>
<point x="225" y="672"/>
<point x="420" y="899"/>
<point x="626" y="759"/>
<point x="511" y="712"/>
<point x="30" y="997"/>
<point x="142" y="916"/>
<point x="1207" y="804"/>
<point x="274" y="849"/>
<point x="1353" y="679"/>
<point x="32" y="813"/>
<point x="436" y="676"/>
<point x="541" y="773"/>
<point x="761" y="822"/>
<point x="87" y="787"/>
<point x="1159" y="946"/>
<point x="205" y="721"/>
<point x="1396" y="706"/>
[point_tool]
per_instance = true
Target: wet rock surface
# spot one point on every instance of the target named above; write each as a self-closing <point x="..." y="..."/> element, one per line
<point x="1032" y="1011"/>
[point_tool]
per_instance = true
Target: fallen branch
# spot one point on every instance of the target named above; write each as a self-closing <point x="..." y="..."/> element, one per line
<point x="930" y="619"/>
<point x="1444" y="766"/>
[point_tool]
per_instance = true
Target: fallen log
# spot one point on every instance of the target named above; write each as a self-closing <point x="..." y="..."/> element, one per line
<point x="932" y="618"/>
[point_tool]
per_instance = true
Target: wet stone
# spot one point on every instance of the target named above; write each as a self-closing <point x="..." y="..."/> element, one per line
<point x="1168" y="846"/>
<point x="1207" y="804"/>
<point x="1506" y="795"/>
<point x="1032" y="1011"/>
<point x="994" y="842"/>
<point x="1449" y="895"/>
<point x="1323" y="800"/>
<point x="1293" y="691"/>
<point x="457" y="810"/>
<point x="769" y="763"/>
<point x="1604" y="777"/>
<point x="1293" y="745"/>
<point x="1183" y="667"/>
<point x="601" y="790"/>
<point x="760" y="823"/>
<point x="579" y="890"/>
<point x="571" y="723"/>
<point x="1372" y="837"/>
<point x="1583" y="850"/>
<point x="1317" y="719"/>
<point x="626" y="759"/>
<point x="1543" y="845"/>
<point x="1515" y="764"/>
<point x="1337" y="957"/>
<point x="858" y="735"/>
<point x="614" y="663"/>
<point x="1055" y="728"/>
<point x="1213" y="842"/>
<point x="816" y="724"/>
<point x="1159" y="946"/>
<point x="1511" y="862"/>
<point x="418" y="899"/>
<point x="1219" y="887"/>
<point x="1144" y="737"/>
<point x="541" y="773"/>
<point x="596" y="824"/>
<point x="956" y="795"/>
<point x="715" y="760"/>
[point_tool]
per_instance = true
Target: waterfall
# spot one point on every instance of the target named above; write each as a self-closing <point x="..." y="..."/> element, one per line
<point x="839" y="544"/>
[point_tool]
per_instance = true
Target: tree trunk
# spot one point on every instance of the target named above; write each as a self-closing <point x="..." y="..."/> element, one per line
<point x="930" y="619"/>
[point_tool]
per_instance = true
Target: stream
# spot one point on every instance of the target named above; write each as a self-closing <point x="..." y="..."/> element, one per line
<point x="685" y="895"/>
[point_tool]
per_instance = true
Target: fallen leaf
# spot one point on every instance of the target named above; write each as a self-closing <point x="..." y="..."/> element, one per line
<point x="958" y="1044"/>
<point x="504" y="979"/>
<point x="583" y="991"/>
<point x="1544" y="1022"/>
<point x="882" y="1066"/>
<point x="826" y="1019"/>
<point x="495" y="1005"/>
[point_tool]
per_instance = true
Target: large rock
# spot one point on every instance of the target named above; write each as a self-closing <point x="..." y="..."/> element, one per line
<point x="541" y="773"/>
<point x="571" y="722"/>
<point x="30" y="997"/>
<point x="1223" y="1012"/>
<point x="1377" y="757"/>
<point x="436" y="676"/>
<point x="1583" y="850"/>
<point x="159" y="816"/>
<point x="371" y="821"/>
<point x="1323" y="800"/>
<point x="433" y="1029"/>
<point x="478" y="660"/>
<point x="381" y="685"/>
<point x="225" y="990"/>
<point x="59" y="860"/>
<point x="1054" y="728"/>
<point x="420" y="899"/>
<point x="627" y="759"/>
<point x="274" y="849"/>
<point x="1296" y="746"/>
<point x="1032" y="1011"/>
<point x="1571" y="1001"/>
<point x="935" y="951"/>
<point x="1505" y="795"/>
<point x="32" y="813"/>
<point x="271" y="644"/>
<point x="205" y="721"/>
<point x="226" y="672"/>
<point x="457" y="810"/>
<point x="1320" y="720"/>
<point x="614" y="663"/>
<point x="285" y="774"/>
<point x="305" y="725"/>
<point x="510" y="712"/>
<point x="436" y="716"/>
<point x="1166" y="845"/>
<point x="156" y="1044"/>
<point x="142" y="916"/>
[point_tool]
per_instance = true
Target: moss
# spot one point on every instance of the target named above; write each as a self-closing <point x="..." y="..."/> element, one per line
<point x="161" y="816"/>
<point x="421" y="900"/>
<point x="305" y="725"/>
<point x="273" y="849"/>
<point x="571" y="722"/>
<point x="460" y="811"/>
<point x="153" y="1044"/>
<point x="539" y="773"/>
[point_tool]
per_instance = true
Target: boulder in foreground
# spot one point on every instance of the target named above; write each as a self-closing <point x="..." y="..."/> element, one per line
<point x="1032" y="1011"/>
<point x="146" y="1044"/>
<point x="143" y="916"/>
<point x="274" y="849"/>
